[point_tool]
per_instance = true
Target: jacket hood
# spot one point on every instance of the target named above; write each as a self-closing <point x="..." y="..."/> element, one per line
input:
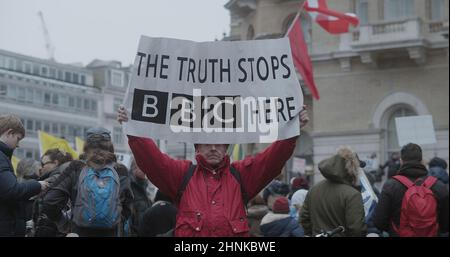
<point x="6" y="149"/>
<point x="341" y="168"/>
<point x="439" y="173"/>
<point x="413" y="169"/>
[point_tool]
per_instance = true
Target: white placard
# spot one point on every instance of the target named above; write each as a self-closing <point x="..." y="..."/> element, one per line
<point x="415" y="129"/>
<point x="213" y="92"/>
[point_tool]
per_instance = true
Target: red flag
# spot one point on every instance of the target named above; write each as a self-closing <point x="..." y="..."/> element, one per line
<point x="332" y="21"/>
<point x="300" y="55"/>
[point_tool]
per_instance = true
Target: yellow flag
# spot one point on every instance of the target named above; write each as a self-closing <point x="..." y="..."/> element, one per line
<point x="15" y="161"/>
<point x="238" y="154"/>
<point x="79" y="145"/>
<point x="47" y="141"/>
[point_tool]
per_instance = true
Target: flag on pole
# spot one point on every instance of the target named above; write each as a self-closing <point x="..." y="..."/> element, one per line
<point x="332" y="21"/>
<point x="238" y="153"/>
<point x="300" y="55"/>
<point x="79" y="145"/>
<point x="14" y="162"/>
<point x="47" y="141"/>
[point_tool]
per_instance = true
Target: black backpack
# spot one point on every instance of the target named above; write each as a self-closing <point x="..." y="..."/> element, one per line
<point x="190" y="173"/>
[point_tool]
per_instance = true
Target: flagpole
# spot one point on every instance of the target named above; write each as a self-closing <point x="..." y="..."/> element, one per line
<point x="299" y="12"/>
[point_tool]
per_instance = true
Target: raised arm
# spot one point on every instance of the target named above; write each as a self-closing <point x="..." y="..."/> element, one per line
<point x="258" y="171"/>
<point x="163" y="171"/>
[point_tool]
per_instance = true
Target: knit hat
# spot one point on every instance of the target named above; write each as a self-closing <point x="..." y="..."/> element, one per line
<point x="299" y="183"/>
<point x="98" y="133"/>
<point x="275" y="188"/>
<point x="281" y="205"/>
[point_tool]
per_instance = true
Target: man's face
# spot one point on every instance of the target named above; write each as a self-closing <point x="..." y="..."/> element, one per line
<point x="212" y="153"/>
<point x="11" y="139"/>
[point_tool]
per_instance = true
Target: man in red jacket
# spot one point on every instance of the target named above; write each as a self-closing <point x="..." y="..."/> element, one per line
<point x="212" y="203"/>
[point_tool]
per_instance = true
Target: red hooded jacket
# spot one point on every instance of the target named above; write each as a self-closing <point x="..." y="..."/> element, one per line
<point x="211" y="204"/>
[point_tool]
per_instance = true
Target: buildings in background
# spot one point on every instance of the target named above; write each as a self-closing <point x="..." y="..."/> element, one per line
<point x="394" y="64"/>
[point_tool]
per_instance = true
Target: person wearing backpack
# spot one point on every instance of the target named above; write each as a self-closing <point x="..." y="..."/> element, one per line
<point x="97" y="188"/>
<point x="213" y="196"/>
<point x="413" y="203"/>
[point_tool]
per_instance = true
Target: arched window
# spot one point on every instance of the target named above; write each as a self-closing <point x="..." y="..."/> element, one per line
<point x="398" y="9"/>
<point x="250" y="32"/>
<point x="391" y="131"/>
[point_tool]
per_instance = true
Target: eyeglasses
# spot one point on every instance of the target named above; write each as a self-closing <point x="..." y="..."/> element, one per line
<point x="43" y="164"/>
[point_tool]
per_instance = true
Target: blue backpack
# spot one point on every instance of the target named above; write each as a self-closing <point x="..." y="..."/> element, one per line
<point x="97" y="204"/>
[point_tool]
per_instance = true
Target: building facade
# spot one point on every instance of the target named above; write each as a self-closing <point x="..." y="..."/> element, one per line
<point x="66" y="100"/>
<point x="60" y="99"/>
<point x="394" y="64"/>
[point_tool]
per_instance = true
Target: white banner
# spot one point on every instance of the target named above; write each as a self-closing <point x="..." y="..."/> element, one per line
<point x="213" y="92"/>
<point x="369" y="197"/>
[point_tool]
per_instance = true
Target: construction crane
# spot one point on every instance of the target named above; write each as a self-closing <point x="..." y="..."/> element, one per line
<point x="48" y="43"/>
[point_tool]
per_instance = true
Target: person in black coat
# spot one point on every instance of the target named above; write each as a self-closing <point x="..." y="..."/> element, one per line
<point x="12" y="193"/>
<point x="159" y="219"/>
<point x="390" y="202"/>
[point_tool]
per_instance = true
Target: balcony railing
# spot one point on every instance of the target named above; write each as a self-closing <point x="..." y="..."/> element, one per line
<point x="393" y="34"/>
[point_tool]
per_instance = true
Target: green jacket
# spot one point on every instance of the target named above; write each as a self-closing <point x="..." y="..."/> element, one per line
<point x="334" y="202"/>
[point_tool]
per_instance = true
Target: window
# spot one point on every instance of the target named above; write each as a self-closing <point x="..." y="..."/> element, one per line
<point x="46" y="126"/>
<point x="55" y="130"/>
<point x="398" y="9"/>
<point x="68" y="76"/>
<point x="37" y="96"/>
<point x="29" y="125"/>
<point x="29" y="154"/>
<point x="52" y="73"/>
<point x="63" y="100"/>
<point x="2" y="62"/>
<point x="116" y="78"/>
<point x="37" y="125"/>
<point x="83" y="80"/>
<point x="60" y="75"/>
<point x="75" y="78"/>
<point x="3" y="90"/>
<point x="362" y="7"/>
<point x="35" y="69"/>
<point x="11" y="64"/>
<point x="392" y="139"/>
<point x="71" y="101"/>
<point x="55" y="99"/>
<point x="117" y="135"/>
<point x="437" y="10"/>
<point x="44" y="71"/>
<point x="21" y="95"/>
<point x="79" y="101"/>
<point x="63" y="130"/>
<point x="29" y="95"/>
<point x="93" y="105"/>
<point x="27" y="67"/>
<point x="12" y="91"/>
<point x="86" y="104"/>
<point x="47" y="98"/>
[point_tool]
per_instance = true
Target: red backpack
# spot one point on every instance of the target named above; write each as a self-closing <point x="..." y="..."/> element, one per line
<point x="418" y="216"/>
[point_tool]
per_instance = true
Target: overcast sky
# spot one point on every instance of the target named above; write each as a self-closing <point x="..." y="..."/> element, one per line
<point x="83" y="30"/>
